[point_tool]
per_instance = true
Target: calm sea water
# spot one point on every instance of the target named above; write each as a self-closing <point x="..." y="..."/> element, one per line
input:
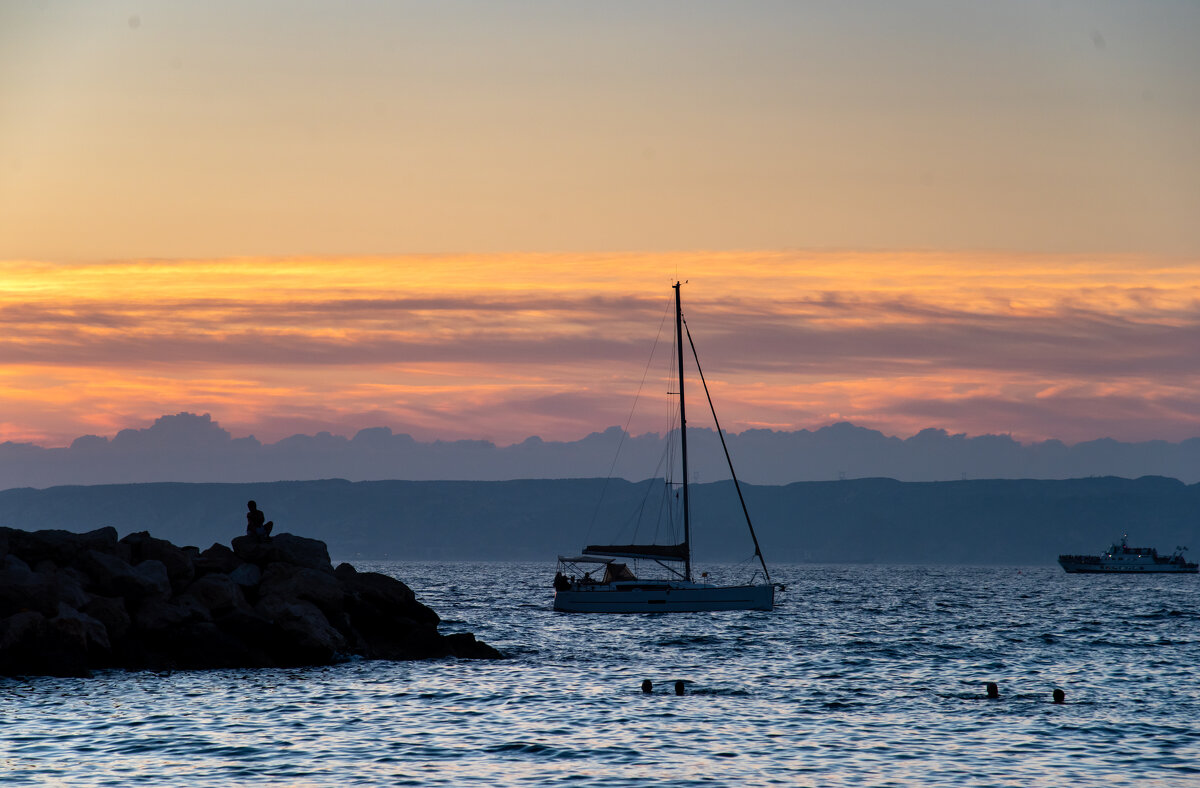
<point x="864" y="675"/>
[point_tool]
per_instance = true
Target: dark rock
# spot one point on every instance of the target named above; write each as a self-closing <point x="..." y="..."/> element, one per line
<point x="153" y="574"/>
<point x="76" y="574"/>
<point x="111" y="612"/>
<point x="305" y="635"/>
<point x="464" y="646"/>
<point x="202" y="645"/>
<point x="30" y="644"/>
<point x="284" y="549"/>
<point x="385" y="593"/>
<point x="110" y="576"/>
<point x="246" y="575"/>
<point x="14" y="562"/>
<point x="299" y="582"/>
<point x="90" y="629"/>
<point x="217" y="558"/>
<point x="180" y="566"/>
<point x="23" y="589"/>
<point x="142" y="603"/>
<point x="62" y="547"/>
<point x="156" y="615"/>
<point x="68" y="589"/>
<point x="400" y="638"/>
<point x="247" y="626"/>
<point x="217" y="593"/>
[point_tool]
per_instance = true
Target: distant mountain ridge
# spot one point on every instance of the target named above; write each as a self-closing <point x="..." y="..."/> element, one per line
<point x="1014" y="522"/>
<point x="186" y="447"/>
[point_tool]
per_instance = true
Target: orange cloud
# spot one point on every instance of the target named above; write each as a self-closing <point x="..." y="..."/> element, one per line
<point x="507" y="346"/>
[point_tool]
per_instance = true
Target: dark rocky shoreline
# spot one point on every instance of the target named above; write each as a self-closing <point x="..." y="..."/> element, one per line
<point x="71" y="603"/>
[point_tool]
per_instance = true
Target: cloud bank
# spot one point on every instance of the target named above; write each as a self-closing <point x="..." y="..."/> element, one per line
<point x="191" y="448"/>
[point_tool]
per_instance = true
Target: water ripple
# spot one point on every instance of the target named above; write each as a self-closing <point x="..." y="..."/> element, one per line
<point x="864" y="675"/>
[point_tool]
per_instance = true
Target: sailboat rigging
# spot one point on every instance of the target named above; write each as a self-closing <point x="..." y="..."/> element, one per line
<point x="620" y="590"/>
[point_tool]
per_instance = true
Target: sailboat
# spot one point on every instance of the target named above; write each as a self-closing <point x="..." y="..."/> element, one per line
<point x="598" y="581"/>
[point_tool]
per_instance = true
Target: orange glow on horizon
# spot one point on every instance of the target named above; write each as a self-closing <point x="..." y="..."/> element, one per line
<point x="508" y="346"/>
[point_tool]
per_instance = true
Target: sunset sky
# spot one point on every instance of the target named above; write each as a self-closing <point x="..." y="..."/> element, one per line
<point x="462" y="219"/>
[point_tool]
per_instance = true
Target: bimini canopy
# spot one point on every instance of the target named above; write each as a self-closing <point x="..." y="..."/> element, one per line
<point x="584" y="559"/>
<point x="655" y="552"/>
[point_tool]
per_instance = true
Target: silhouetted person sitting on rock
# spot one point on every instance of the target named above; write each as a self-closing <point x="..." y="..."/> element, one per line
<point x="257" y="524"/>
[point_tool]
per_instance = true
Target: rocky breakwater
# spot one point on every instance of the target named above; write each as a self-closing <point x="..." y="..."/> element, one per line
<point x="71" y="603"/>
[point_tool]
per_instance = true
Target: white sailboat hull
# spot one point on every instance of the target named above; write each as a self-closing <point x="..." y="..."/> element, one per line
<point x="667" y="597"/>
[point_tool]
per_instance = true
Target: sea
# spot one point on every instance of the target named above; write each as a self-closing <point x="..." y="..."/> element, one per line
<point x="864" y="675"/>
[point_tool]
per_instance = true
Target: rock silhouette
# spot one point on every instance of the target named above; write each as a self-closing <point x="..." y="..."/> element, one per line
<point x="71" y="603"/>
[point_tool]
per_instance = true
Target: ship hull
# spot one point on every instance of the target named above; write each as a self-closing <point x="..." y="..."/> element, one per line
<point x="1101" y="567"/>
<point x="665" y="598"/>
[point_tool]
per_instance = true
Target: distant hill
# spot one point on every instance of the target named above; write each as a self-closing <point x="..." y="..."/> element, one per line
<point x="1017" y="522"/>
<point x="197" y="449"/>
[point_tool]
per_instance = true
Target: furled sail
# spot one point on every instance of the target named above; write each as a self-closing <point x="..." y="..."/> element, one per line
<point x="660" y="552"/>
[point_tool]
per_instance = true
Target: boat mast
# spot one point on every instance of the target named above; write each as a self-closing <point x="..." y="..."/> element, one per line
<point x="687" y="524"/>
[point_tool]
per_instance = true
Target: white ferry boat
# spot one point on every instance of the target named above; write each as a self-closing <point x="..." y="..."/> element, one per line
<point x="1121" y="558"/>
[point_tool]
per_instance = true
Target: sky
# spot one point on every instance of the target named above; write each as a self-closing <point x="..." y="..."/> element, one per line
<point x="462" y="220"/>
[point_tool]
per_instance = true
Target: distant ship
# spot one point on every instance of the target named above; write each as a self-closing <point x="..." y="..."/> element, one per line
<point x="1121" y="558"/>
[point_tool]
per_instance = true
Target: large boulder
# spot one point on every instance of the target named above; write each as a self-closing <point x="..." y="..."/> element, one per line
<point x="92" y="630"/>
<point x="284" y="549"/>
<point x="32" y="644"/>
<point x="246" y="575"/>
<point x="110" y="576"/>
<point x="154" y="576"/>
<point x="386" y="595"/>
<point x="299" y="582"/>
<point x="22" y="589"/>
<point x="305" y="636"/>
<point x="157" y="615"/>
<point x="387" y="619"/>
<point x="217" y="593"/>
<point x="179" y="564"/>
<point x="112" y="613"/>
<point x="67" y="588"/>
